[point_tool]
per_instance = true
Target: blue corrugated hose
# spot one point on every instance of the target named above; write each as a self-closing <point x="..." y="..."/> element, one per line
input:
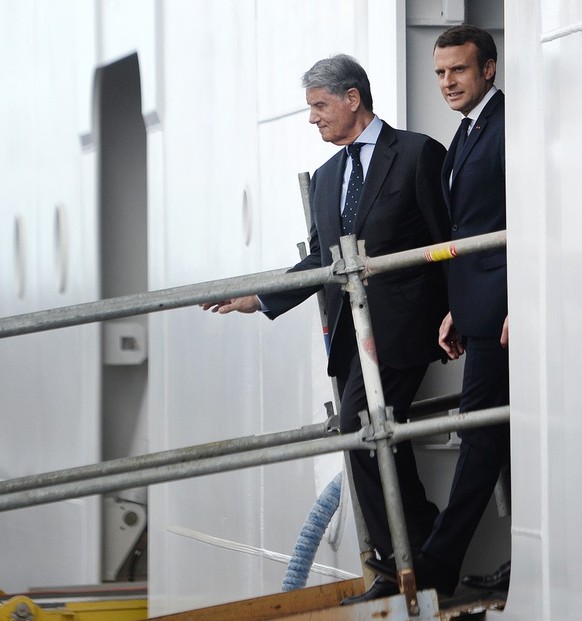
<point x="310" y="536"/>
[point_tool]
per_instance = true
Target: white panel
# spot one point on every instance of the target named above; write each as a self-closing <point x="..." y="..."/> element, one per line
<point x="386" y="61"/>
<point x="542" y="218"/>
<point x="204" y="376"/>
<point x="565" y="15"/>
<point x="44" y="547"/>
<point x="49" y="380"/>
<point x="287" y="147"/>
<point x="64" y="253"/>
<point x="85" y="44"/>
<point x="292" y="36"/>
<point x="209" y="126"/>
<point x="16" y="156"/>
<point x="564" y="153"/>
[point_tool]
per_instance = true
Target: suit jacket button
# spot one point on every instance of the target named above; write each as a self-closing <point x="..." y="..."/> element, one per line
<point x="455" y="228"/>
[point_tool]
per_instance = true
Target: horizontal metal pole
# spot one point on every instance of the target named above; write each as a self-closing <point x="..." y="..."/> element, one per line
<point x="216" y="290"/>
<point x="165" y="299"/>
<point x="164" y="458"/>
<point x="437" y="252"/>
<point x="441" y="424"/>
<point x="175" y="472"/>
<point x="145" y="473"/>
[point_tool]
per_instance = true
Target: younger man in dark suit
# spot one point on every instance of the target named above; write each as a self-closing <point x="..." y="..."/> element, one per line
<point x="473" y="182"/>
<point x="399" y="207"/>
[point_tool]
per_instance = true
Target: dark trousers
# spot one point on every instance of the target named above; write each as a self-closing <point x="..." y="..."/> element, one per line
<point x="399" y="386"/>
<point x="483" y="452"/>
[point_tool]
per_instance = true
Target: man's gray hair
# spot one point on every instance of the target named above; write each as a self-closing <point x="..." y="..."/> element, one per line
<point x="337" y="74"/>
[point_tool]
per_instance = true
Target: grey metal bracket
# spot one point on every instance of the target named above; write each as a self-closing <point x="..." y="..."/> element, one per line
<point x="332" y="422"/>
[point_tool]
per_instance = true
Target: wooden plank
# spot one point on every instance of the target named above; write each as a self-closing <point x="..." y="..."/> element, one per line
<point x="276" y="606"/>
<point x="322" y="604"/>
<point x="316" y="604"/>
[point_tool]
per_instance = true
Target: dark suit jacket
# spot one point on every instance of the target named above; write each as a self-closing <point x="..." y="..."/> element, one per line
<point x="401" y="207"/>
<point x="476" y="203"/>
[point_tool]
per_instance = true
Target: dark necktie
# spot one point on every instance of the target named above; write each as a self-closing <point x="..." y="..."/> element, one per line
<point x="462" y="138"/>
<point x="354" y="192"/>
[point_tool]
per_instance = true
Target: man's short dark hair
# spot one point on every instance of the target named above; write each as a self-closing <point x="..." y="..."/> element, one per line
<point x="337" y="75"/>
<point x="466" y="33"/>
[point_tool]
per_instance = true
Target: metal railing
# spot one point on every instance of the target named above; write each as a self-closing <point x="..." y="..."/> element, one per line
<point x="214" y="291"/>
<point x="350" y="267"/>
<point x="223" y="456"/>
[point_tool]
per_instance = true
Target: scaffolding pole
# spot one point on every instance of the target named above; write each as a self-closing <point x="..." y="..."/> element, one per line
<point x="378" y="415"/>
<point x="173" y="456"/>
<point x="362" y="534"/>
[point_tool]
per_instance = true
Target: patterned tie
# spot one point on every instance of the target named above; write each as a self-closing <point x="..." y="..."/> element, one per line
<point x="462" y="138"/>
<point x="354" y="192"/>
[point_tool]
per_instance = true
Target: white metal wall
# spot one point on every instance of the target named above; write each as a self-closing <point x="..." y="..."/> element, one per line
<point x="49" y="398"/>
<point x="544" y="130"/>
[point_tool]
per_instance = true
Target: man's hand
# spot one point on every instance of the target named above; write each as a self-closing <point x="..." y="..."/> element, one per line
<point x="504" y="340"/>
<point x="450" y="339"/>
<point x="248" y="304"/>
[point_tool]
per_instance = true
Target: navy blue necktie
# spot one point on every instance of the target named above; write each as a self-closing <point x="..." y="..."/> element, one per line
<point x="462" y="138"/>
<point x="354" y="192"/>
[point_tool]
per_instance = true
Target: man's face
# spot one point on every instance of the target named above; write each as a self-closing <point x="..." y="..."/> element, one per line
<point x="462" y="83"/>
<point x="333" y="114"/>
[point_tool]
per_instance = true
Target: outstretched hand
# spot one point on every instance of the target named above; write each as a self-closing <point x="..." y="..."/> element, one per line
<point x="247" y="304"/>
<point x="450" y="339"/>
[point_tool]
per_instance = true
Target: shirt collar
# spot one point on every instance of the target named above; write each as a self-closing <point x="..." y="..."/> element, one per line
<point x="371" y="133"/>
<point x="476" y="111"/>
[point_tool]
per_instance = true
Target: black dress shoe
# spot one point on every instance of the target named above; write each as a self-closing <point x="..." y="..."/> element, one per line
<point x="497" y="581"/>
<point x="380" y="588"/>
<point x="429" y="574"/>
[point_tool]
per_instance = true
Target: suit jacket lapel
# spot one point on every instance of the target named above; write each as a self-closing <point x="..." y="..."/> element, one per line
<point x="380" y="165"/>
<point x="478" y="128"/>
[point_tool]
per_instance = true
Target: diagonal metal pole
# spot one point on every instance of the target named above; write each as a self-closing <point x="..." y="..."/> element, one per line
<point x="193" y="467"/>
<point x="125" y="465"/>
<point x="377" y="412"/>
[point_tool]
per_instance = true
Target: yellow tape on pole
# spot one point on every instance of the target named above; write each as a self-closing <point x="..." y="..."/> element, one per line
<point x="441" y="254"/>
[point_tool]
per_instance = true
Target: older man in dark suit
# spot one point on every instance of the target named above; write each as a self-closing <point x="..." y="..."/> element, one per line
<point x="383" y="186"/>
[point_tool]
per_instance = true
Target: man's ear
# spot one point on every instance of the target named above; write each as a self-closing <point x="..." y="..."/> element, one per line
<point x="353" y="96"/>
<point x="489" y="69"/>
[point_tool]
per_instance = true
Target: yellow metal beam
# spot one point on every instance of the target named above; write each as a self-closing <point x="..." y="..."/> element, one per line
<point x="21" y="607"/>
